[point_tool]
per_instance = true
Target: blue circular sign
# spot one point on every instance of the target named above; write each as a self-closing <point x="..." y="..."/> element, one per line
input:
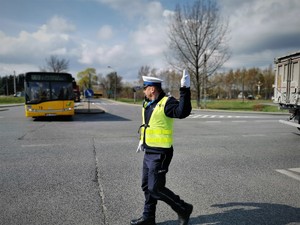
<point x="88" y="93"/>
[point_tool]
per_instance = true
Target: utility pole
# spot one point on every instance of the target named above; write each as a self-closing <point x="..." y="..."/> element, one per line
<point x="15" y="86"/>
<point x="198" y="86"/>
<point x="6" y="85"/>
<point x="204" y="82"/>
<point x="243" y="87"/>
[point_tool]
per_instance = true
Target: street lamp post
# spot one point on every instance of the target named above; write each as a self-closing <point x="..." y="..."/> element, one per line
<point x="204" y="80"/>
<point x="15" y="86"/>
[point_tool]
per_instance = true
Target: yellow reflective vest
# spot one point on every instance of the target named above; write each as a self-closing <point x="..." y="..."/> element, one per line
<point x="159" y="131"/>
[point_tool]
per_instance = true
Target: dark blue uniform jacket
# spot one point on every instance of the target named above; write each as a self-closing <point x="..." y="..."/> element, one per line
<point x="174" y="109"/>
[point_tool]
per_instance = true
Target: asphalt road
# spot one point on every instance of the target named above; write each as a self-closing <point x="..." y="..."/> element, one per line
<point x="235" y="168"/>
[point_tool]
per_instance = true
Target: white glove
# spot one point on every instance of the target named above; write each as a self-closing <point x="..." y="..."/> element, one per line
<point x="140" y="148"/>
<point x="185" y="80"/>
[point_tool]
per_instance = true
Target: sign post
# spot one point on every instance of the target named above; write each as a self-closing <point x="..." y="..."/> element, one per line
<point x="88" y="93"/>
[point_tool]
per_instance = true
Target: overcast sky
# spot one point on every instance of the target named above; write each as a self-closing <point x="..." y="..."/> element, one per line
<point x="127" y="34"/>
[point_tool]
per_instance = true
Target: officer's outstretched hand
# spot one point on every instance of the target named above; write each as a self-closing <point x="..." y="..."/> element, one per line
<point x="140" y="148"/>
<point x="185" y="80"/>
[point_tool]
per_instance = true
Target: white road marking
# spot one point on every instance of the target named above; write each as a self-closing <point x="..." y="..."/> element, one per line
<point x="197" y="116"/>
<point x="295" y="175"/>
<point x="106" y="103"/>
<point x="295" y="169"/>
<point x="254" y="135"/>
<point x="263" y="121"/>
<point x="37" y="145"/>
<point x="194" y="116"/>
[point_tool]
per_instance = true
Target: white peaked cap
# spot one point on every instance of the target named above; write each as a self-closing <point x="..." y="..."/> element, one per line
<point x="152" y="81"/>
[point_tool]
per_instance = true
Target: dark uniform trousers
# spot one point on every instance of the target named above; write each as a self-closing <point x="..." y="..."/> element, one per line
<point x="155" y="168"/>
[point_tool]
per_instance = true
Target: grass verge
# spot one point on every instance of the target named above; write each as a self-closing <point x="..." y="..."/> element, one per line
<point x="233" y="105"/>
<point x="239" y="105"/>
<point x="11" y="100"/>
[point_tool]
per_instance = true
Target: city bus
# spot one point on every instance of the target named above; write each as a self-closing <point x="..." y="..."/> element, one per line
<point x="48" y="94"/>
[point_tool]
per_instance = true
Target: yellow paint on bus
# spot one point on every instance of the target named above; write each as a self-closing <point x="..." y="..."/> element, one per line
<point x="51" y="108"/>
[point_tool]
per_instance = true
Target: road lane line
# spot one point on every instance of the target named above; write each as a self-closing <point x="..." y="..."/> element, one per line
<point x="263" y="121"/>
<point x="289" y="174"/>
<point x="37" y="145"/>
<point x="297" y="170"/>
<point x="197" y="116"/>
<point x="253" y="135"/>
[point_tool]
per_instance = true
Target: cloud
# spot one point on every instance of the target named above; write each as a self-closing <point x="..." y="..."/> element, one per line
<point x="105" y="32"/>
<point x="149" y="40"/>
<point x="51" y="38"/>
<point x="259" y="26"/>
<point x="261" y="31"/>
<point x="58" y="24"/>
<point x="143" y="45"/>
<point x="129" y="34"/>
<point x="131" y="8"/>
<point x="7" y="69"/>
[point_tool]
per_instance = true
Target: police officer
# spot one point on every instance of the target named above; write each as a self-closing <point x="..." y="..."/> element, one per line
<point x="156" y="140"/>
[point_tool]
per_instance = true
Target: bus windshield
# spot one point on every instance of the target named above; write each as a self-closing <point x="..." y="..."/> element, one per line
<point x="41" y="91"/>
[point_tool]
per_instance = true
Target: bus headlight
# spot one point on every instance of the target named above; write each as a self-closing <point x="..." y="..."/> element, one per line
<point x="30" y="109"/>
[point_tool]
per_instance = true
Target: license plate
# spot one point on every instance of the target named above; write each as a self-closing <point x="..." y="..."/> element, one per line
<point x="49" y="114"/>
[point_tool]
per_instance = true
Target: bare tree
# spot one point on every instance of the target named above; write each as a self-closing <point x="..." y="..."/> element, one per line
<point x="114" y="82"/>
<point x="54" y="64"/>
<point x="171" y="80"/>
<point x="146" y="71"/>
<point x="198" y="41"/>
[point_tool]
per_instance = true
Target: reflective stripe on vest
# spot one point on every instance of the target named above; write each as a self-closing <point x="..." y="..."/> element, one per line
<point x="159" y="131"/>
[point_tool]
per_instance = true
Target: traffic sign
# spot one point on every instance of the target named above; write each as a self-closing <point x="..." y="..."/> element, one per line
<point x="88" y="93"/>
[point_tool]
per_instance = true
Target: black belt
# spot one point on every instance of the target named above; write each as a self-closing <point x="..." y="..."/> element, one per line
<point x="152" y="153"/>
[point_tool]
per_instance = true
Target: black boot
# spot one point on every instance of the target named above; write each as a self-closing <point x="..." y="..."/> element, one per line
<point x="142" y="221"/>
<point x="184" y="216"/>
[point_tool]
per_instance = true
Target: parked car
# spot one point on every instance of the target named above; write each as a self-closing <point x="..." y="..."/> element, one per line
<point x="250" y="97"/>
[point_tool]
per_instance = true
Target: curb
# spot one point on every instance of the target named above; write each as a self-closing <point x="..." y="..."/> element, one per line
<point x="11" y="105"/>
<point x="250" y="112"/>
<point x="5" y="107"/>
